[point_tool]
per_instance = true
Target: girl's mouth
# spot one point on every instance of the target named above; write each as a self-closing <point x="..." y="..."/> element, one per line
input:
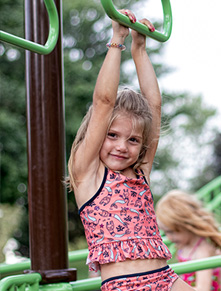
<point x="118" y="157"/>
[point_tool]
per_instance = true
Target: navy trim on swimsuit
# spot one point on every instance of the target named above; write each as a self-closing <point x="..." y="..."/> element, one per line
<point x="142" y="172"/>
<point x="136" y="274"/>
<point x="145" y="180"/>
<point x="96" y="194"/>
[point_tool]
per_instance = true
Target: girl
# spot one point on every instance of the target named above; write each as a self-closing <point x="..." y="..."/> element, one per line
<point x="109" y="171"/>
<point x="195" y="233"/>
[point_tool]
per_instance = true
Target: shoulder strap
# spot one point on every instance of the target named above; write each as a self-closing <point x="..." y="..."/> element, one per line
<point x="196" y="246"/>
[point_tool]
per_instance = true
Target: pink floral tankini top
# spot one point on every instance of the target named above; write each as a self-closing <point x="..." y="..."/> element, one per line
<point x="190" y="278"/>
<point x="120" y="222"/>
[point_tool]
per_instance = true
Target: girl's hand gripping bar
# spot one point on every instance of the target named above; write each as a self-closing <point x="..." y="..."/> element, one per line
<point x="139" y="27"/>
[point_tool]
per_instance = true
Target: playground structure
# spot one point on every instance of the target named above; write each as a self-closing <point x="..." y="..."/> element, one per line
<point x="111" y="11"/>
<point x="210" y="194"/>
<point x="48" y="267"/>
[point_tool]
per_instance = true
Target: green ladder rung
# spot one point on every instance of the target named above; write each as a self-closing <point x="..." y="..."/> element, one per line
<point x="215" y="203"/>
<point x="214" y="185"/>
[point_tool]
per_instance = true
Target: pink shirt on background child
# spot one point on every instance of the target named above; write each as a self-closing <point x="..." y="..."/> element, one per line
<point x="190" y="278"/>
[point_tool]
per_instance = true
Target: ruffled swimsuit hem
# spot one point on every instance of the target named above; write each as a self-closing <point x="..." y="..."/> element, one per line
<point x="132" y="249"/>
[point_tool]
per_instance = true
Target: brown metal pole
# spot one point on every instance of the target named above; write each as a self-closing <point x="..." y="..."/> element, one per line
<point x="46" y="151"/>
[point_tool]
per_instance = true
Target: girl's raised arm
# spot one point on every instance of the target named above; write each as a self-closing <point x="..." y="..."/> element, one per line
<point x="86" y="158"/>
<point x="149" y="88"/>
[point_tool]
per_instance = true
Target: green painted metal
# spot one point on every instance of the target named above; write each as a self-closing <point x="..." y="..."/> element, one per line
<point x="179" y="268"/>
<point x="35" y="47"/>
<point x="197" y="265"/>
<point x="210" y="194"/>
<point x="31" y="282"/>
<point x="56" y="287"/>
<point x="6" y="269"/>
<point x="28" y="282"/>
<point x="141" y="28"/>
<point x="87" y="284"/>
<point x="215" y="203"/>
<point x="212" y="187"/>
<point x="78" y="255"/>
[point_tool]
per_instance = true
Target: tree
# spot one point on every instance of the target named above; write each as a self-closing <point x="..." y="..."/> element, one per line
<point x="212" y="168"/>
<point x="183" y="151"/>
<point x="13" y="156"/>
<point x="13" y="109"/>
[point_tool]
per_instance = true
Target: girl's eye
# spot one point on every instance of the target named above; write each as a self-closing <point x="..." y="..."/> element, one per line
<point x="134" y="140"/>
<point x="111" y="134"/>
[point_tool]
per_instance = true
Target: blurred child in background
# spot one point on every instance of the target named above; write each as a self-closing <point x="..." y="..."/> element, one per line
<point x="195" y="233"/>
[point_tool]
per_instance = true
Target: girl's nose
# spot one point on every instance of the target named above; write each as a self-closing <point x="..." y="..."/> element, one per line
<point x="121" y="146"/>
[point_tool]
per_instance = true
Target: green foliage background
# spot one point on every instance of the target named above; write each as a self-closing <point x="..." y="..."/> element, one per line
<point x="86" y="30"/>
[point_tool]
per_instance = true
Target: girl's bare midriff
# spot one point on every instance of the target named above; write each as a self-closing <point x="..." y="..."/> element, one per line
<point x="130" y="267"/>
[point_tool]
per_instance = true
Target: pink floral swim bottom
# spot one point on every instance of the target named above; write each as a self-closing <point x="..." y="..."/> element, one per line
<point x="157" y="280"/>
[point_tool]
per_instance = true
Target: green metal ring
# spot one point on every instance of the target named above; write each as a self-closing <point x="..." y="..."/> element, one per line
<point x="139" y="27"/>
<point x="35" y="47"/>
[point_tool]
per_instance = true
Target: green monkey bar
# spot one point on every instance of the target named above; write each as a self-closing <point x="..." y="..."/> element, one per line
<point x="123" y="19"/>
<point x="35" y="47"/>
<point x="30" y="282"/>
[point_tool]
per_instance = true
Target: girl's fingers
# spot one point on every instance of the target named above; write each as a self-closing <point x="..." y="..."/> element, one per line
<point x="133" y="19"/>
<point x="129" y="13"/>
<point x="148" y="24"/>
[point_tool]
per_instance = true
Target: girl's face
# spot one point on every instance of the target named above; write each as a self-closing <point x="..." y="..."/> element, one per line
<point x="122" y="145"/>
<point x="180" y="238"/>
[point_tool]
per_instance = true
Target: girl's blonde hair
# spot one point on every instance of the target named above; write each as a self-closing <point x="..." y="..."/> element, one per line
<point x="180" y="211"/>
<point x="129" y="103"/>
